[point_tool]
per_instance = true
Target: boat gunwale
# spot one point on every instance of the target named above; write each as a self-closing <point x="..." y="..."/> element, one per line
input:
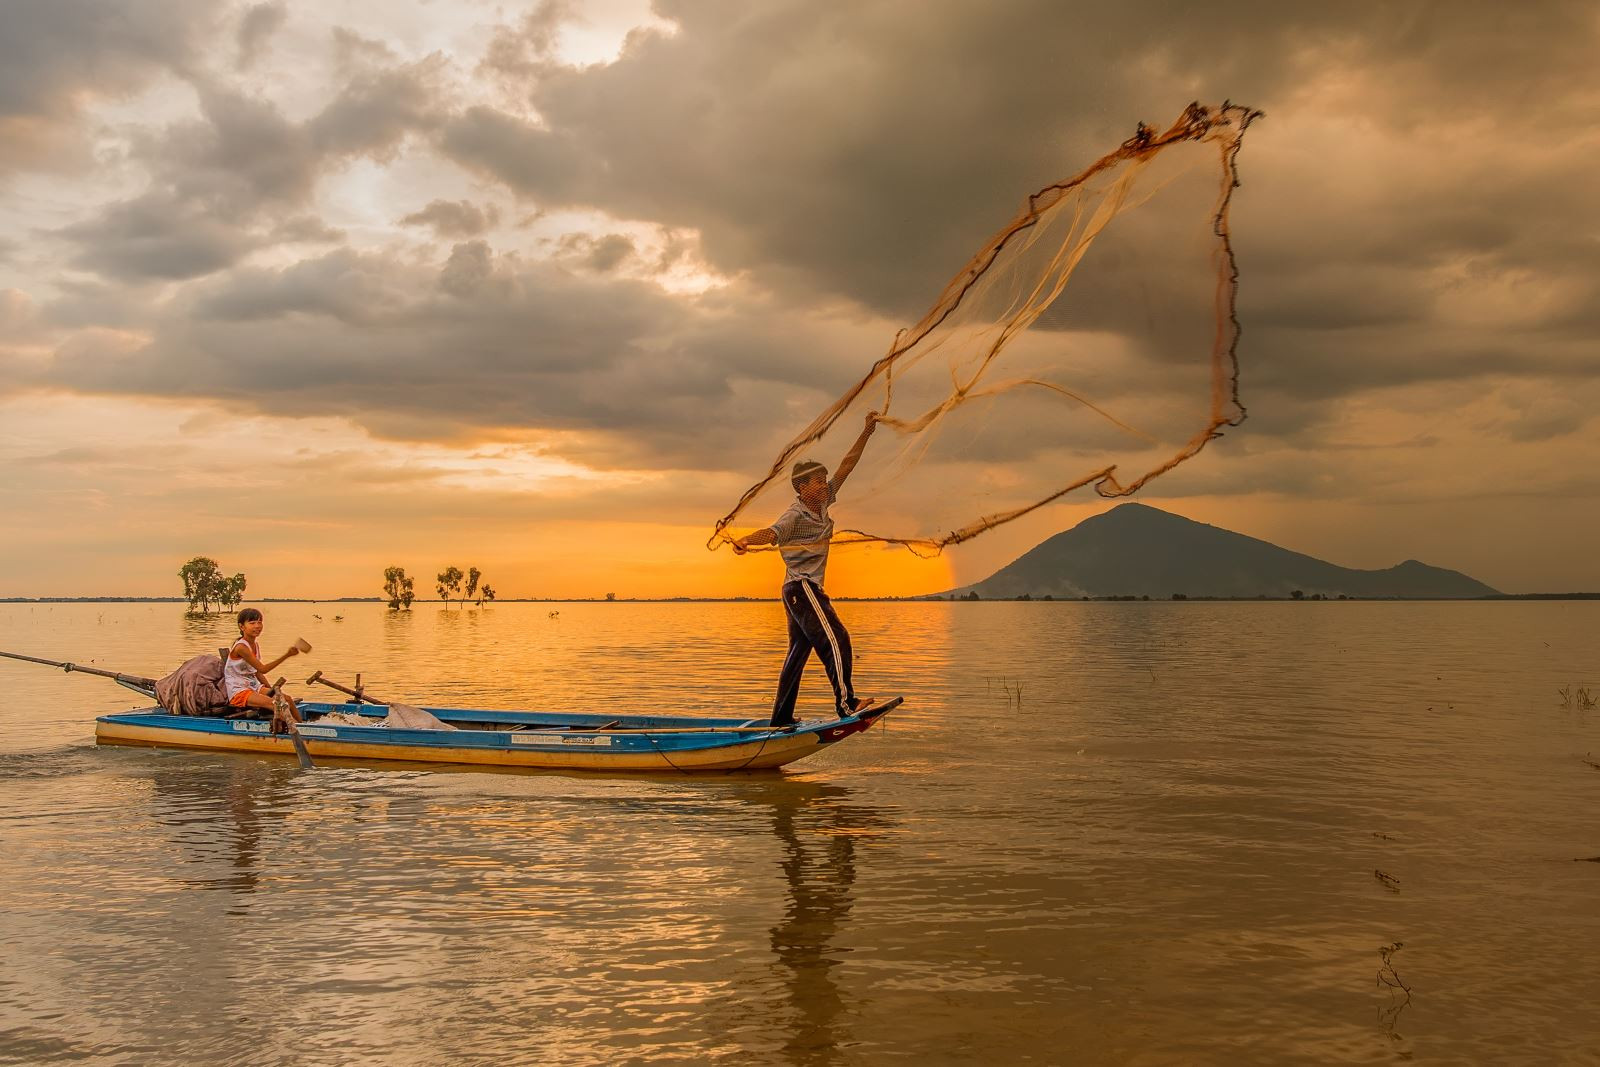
<point x="555" y="737"/>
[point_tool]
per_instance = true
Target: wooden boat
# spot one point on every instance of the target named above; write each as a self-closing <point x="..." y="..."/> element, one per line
<point x="477" y="737"/>
<point x="502" y="738"/>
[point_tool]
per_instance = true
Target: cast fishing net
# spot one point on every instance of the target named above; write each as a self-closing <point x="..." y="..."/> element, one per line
<point x="1017" y="388"/>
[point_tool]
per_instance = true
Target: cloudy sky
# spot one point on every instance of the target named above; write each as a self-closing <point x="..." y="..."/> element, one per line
<point x="319" y="288"/>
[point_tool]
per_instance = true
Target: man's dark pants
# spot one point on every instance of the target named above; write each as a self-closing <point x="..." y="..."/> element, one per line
<point x="813" y="627"/>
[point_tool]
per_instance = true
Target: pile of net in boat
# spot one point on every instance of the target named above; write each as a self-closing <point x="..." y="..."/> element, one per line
<point x="1092" y="342"/>
<point x="400" y="717"/>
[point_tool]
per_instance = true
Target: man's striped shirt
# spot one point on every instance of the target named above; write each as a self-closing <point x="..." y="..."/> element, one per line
<point x="803" y="538"/>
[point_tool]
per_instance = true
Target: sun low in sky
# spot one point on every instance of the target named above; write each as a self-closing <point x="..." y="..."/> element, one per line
<point x="315" y="289"/>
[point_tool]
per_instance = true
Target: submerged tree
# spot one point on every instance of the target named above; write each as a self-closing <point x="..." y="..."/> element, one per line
<point x="200" y="577"/>
<point x="487" y="594"/>
<point x="449" y="586"/>
<point x="398" y="587"/>
<point x="473" y="574"/>
<point x="205" y="586"/>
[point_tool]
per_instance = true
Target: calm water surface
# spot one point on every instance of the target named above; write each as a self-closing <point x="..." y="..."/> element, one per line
<point x="1100" y="833"/>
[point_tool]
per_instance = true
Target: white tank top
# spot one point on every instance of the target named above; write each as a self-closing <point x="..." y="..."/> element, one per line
<point x="238" y="674"/>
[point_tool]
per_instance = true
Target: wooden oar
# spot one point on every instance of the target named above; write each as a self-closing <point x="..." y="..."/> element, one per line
<point x="300" y="751"/>
<point x="146" y="685"/>
<point x="280" y="707"/>
<point x="358" y="693"/>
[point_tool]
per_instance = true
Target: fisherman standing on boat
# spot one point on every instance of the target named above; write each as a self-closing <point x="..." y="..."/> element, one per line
<point x="246" y="676"/>
<point x="803" y="534"/>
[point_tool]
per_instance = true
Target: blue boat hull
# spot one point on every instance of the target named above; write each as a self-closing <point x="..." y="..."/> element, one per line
<point x="502" y="738"/>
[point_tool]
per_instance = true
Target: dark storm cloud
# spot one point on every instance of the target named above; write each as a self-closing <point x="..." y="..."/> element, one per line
<point x="839" y="163"/>
<point x="867" y="150"/>
<point x="515" y="56"/>
<point x="84" y="302"/>
<point x="256" y="27"/>
<point x="379" y="106"/>
<point x="874" y="146"/>
<point x="58" y="55"/>
<point x="454" y="218"/>
<point x="52" y="52"/>
<point x="469" y="268"/>
<point x="602" y="254"/>
<point x="481" y="340"/>
<point x="305" y="229"/>
<point x="235" y="178"/>
<point x="526" y="157"/>
<point x="1321" y="364"/>
<point x="160" y="235"/>
<point x="1543" y="424"/>
<point x="342" y="285"/>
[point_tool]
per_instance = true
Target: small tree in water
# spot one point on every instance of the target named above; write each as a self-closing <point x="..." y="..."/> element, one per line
<point x="488" y="594"/>
<point x="473" y="574"/>
<point x="449" y="586"/>
<point x="398" y="587"/>
<point x="204" y="585"/>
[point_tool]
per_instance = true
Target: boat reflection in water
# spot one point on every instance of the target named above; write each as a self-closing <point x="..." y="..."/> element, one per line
<point x="818" y="828"/>
<point x="562" y="916"/>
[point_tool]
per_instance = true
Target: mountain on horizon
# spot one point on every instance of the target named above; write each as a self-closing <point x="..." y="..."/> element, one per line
<point x="1138" y="550"/>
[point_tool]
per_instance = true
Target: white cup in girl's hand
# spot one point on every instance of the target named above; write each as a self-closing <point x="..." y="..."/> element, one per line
<point x="302" y="644"/>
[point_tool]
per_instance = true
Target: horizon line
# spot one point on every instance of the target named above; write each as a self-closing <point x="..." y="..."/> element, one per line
<point x="949" y="596"/>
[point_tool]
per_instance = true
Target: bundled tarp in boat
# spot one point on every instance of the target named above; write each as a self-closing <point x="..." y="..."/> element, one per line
<point x="196" y="688"/>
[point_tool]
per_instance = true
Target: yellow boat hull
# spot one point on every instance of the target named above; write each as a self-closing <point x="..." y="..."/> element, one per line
<point x="763" y="753"/>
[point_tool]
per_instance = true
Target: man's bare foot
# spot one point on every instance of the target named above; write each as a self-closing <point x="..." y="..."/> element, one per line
<point x="860" y="704"/>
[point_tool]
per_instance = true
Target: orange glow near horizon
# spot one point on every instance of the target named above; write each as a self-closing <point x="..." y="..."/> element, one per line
<point x="557" y="561"/>
<point x="647" y="562"/>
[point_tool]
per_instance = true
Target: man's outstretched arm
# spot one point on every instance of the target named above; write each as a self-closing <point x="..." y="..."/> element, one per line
<point x="760" y="537"/>
<point x="852" y="457"/>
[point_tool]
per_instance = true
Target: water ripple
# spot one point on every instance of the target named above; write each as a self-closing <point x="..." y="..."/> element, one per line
<point x="1145" y="833"/>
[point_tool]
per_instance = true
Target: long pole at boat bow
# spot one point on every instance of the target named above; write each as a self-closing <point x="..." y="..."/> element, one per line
<point x="147" y="685"/>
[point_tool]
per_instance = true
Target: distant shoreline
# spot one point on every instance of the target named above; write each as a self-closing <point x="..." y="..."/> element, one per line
<point x="851" y="599"/>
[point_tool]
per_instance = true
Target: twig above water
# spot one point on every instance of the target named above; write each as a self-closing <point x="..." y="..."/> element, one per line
<point x="1399" y="992"/>
<point x="1012" y="690"/>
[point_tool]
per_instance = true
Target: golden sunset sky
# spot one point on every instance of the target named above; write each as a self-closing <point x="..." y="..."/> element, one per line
<point x="314" y="289"/>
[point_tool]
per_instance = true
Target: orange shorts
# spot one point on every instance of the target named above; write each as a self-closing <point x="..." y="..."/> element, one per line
<point x="242" y="697"/>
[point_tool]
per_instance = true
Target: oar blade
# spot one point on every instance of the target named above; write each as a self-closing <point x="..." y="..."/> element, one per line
<point x="301" y="753"/>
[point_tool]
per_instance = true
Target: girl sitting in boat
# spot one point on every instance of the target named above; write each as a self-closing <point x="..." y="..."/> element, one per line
<point x="245" y="674"/>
